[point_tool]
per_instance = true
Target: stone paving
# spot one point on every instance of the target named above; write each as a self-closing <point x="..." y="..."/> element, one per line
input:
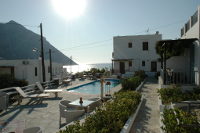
<point x="45" y="115"/>
<point x="147" y="120"/>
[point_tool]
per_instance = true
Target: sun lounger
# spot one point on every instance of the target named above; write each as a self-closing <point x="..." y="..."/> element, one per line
<point x="55" y="91"/>
<point x="80" y="76"/>
<point x="24" y="95"/>
<point x="67" y="81"/>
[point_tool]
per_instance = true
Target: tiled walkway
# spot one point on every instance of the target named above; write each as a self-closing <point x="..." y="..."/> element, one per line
<point x="147" y="120"/>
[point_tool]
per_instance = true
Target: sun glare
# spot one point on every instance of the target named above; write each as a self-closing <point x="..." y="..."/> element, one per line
<point x="69" y="8"/>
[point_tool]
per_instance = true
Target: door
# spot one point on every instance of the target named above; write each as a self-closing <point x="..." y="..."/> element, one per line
<point x="122" y="67"/>
<point x="154" y="66"/>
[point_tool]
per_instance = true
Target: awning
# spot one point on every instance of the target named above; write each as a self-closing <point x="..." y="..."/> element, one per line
<point x="188" y="40"/>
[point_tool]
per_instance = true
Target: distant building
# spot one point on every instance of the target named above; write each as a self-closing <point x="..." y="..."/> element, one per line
<point x="30" y="70"/>
<point x="131" y="53"/>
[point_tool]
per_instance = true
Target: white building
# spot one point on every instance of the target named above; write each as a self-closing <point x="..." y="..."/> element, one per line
<point x="192" y="30"/>
<point x="184" y="69"/>
<point x="135" y="52"/>
<point x="30" y="70"/>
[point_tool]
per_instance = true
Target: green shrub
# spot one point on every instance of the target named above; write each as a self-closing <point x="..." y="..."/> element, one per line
<point x="111" y="119"/>
<point x="102" y="70"/>
<point x="131" y="83"/>
<point x="8" y="80"/>
<point x="170" y="94"/>
<point x="171" y="124"/>
<point x="174" y="94"/>
<point x="141" y="74"/>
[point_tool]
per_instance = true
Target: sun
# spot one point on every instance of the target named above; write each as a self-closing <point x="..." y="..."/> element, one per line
<point x="69" y="8"/>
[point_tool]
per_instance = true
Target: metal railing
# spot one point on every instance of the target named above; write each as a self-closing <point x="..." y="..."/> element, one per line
<point x="178" y="77"/>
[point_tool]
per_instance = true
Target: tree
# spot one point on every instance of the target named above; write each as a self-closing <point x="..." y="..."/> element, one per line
<point x="172" y="47"/>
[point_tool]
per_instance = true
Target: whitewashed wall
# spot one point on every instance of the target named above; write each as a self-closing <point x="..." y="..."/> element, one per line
<point x="121" y="51"/>
<point x="27" y="72"/>
<point x="194" y="32"/>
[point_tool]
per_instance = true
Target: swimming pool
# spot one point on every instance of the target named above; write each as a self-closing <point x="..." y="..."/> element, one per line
<point x="94" y="87"/>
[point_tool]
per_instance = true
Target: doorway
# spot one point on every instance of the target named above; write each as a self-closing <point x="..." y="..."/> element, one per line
<point x="153" y="66"/>
<point x="122" y="67"/>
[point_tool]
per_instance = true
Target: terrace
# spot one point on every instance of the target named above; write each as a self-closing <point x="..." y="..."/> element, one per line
<point x="30" y="114"/>
<point x="177" y="61"/>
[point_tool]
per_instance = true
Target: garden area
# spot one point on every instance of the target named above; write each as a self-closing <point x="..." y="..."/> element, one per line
<point x="178" y="119"/>
<point x="112" y="116"/>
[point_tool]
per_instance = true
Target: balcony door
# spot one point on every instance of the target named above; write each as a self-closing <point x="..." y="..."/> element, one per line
<point x="154" y="66"/>
<point x="122" y="67"/>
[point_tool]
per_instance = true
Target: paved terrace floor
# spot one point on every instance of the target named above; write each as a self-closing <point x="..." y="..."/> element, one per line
<point x="30" y="113"/>
<point x="46" y="115"/>
<point x="147" y="120"/>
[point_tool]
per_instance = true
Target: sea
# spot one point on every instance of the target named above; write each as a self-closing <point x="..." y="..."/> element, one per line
<point x="87" y="67"/>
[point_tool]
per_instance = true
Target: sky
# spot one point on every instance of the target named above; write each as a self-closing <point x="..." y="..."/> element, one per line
<point x="88" y="37"/>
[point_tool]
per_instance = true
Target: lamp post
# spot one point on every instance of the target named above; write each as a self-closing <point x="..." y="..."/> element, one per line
<point x="50" y="60"/>
<point x="51" y="77"/>
<point x="43" y="67"/>
<point x="42" y="53"/>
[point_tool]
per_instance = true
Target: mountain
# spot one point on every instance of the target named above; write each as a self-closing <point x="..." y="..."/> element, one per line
<point x="17" y="42"/>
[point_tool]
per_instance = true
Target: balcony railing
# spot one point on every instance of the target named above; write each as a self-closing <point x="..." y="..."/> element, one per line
<point x="178" y="77"/>
<point x="194" y="18"/>
<point x="187" y="26"/>
<point x="182" y="31"/>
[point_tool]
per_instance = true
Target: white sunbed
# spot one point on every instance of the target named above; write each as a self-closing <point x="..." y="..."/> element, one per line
<point x="55" y="91"/>
<point x="24" y="95"/>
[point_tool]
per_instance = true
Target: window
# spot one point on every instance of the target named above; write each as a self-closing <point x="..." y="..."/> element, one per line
<point x="145" y="45"/>
<point x="143" y="63"/>
<point x="130" y="45"/>
<point x="35" y="71"/>
<point x="130" y="63"/>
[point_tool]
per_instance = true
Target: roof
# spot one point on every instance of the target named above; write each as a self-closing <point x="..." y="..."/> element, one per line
<point x="188" y="40"/>
<point x="122" y="59"/>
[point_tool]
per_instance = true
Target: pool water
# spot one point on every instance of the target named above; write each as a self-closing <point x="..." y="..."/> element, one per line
<point x="95" y="87"/>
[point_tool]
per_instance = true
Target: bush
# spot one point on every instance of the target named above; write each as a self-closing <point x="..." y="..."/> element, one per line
<point x="171" y="124"/>
<point x="141" y="74"/>
<point x="131" y="83"/>
<point x="170" y="94"/>
<point x="102" y="70"/>
<point x="8" y="80"/>
<point x="174" y="94"/>
<point x="111" y="119"/>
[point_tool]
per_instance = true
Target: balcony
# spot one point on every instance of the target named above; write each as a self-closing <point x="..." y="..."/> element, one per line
<point x="178" y="77"/>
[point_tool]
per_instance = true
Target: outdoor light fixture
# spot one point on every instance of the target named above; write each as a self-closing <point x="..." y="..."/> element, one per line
<point x="35" y="49"/>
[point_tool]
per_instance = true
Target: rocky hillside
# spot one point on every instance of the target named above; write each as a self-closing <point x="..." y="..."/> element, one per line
<point x="17" y="42"/>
